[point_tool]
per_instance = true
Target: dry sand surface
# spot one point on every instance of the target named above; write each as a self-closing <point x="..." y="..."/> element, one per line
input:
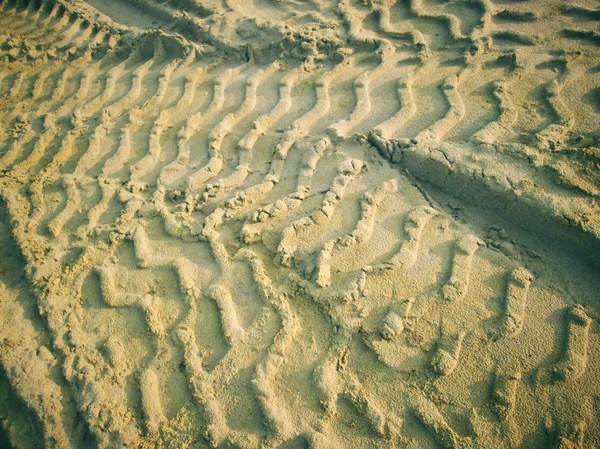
<point x="300" y="224"/>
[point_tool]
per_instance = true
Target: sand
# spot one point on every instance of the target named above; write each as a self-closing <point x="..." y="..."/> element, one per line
<point x="300" y="223"/>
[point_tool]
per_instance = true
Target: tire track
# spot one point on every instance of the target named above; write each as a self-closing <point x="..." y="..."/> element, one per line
<point x="414" y="317"/>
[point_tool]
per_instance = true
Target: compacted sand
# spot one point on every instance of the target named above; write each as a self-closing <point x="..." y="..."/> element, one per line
<point x="300" y="223"/>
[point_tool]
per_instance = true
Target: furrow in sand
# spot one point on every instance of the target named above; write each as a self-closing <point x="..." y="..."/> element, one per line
<point x="583" y="11"/>
<point x="44" y="73"/>
<point x="218" y="430"/>
<point x="436" y="12"/>
<point x="135" y="116"/>
<point x="402" y="30"/>
<point x="134" y="91"/>
<point x="335" y="382"/>
<point x="504" y="391"/>
<point x="62" y="26"/>
<point x="56" y="99"/>
<point x="94" y="149"/>
<point x="15" y="147"/>
<point x="120" y="106"/>
<point x="68" y="104"/>
<point x="267" y="217"/>
<point x="142" y="167"/>
<point x="39" y="149"/>
<point x="503" y="125"/>
<point x="407" y="256"/>
<point x="146" y="163"/>
<point x="83" y="58"/>
<point x="232" y="330"/>
<point x="10" y="13"/>
<point x="88" y="34"/>
<point x="172" y="171"/>
<point x="164" y="78"/>
<point x="57" y="19"/>
<point x="301" y="126"/>
<point x="348" y="171"/>
<point x="16" y="86"/>
<point x="456" y="112"/>
<point x="246" y="144"/>
<point x="574" y="361"/>
<point x="362" y="85"/>
<point x="516" y="298"/>
<point x="50" y="174"/>
<point x="447" y="352"/>
<point x="201" y="382"/>
<point x="555" y="136"/>
<point x="583" y="35"/>
<point x="361" y="233"/>
<point x="215" y="163"/>
<point x="256" y="192"/>
<point x="28" y="18"/>
<point x="274" y="410"/>
<point x="408" y="108"/>
<point x="222" y="129"/>
<point x="117" y="160"/>
<point x="108" y="189"/>
<point x="192" y="126"/>
<point x="457" y="286"/>
<point x="392" y="149"/>
<point x="73" y="203"/>
<point x="90" y="108"/>
<point x="429" y="415"/>
<point x="71" y="33"/>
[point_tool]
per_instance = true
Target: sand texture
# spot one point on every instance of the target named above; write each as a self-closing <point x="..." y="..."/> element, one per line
<point x="294" y="224"/>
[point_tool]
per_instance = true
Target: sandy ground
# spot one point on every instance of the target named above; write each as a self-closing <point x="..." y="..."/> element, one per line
<point x="300" y="223"/>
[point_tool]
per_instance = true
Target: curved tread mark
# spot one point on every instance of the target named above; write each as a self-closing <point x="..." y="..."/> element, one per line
<point x="348" y="171"/>
<point x="361" y="233"/>
<point x="457" y="286"/>
<point x="516" y="298"/>
<point x="575" y="359"/>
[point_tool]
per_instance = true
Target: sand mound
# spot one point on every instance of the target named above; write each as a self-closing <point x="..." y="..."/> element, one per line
<point x="261" y="224"/>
